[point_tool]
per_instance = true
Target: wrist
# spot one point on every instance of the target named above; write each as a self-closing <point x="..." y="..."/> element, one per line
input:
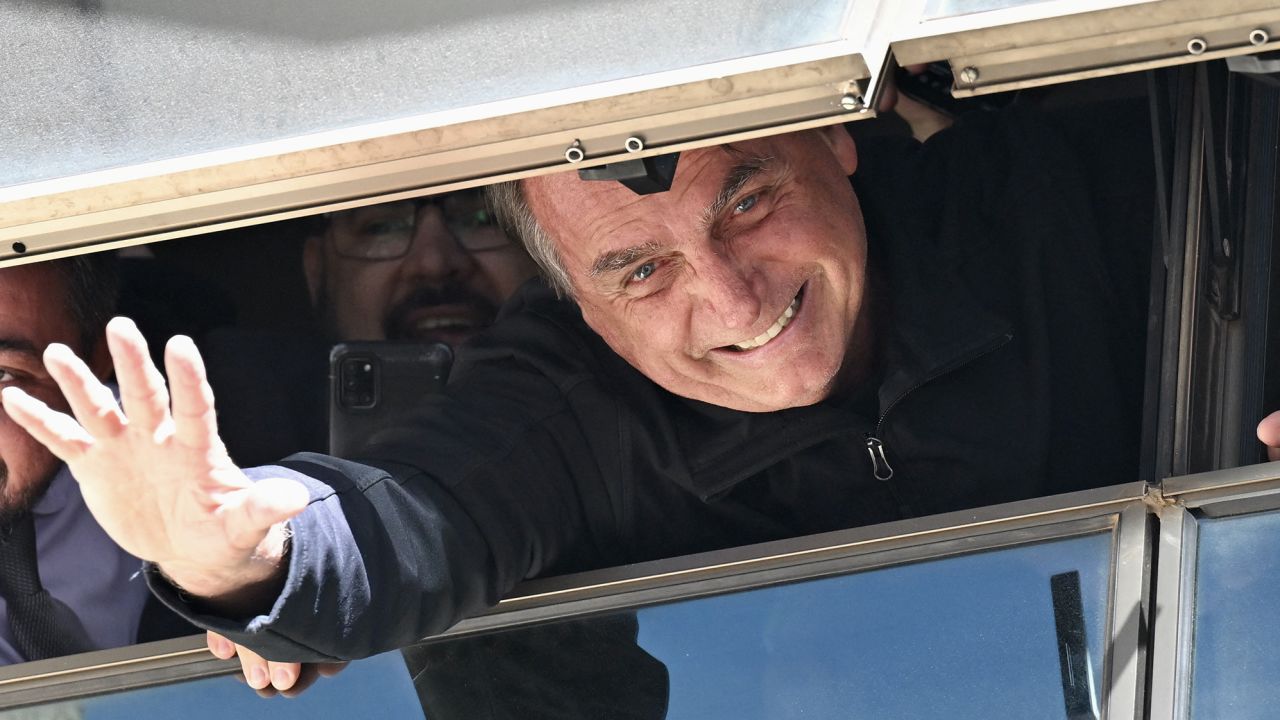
<point x="241" y="588"/>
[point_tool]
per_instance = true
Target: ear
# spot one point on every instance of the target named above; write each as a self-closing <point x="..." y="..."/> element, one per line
<point x="99" y="359"/>
<point x="841" y="143"/>
<point x="312" y="261"/>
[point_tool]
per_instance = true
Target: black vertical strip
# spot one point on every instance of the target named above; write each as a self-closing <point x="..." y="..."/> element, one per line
<point x="1073" y="652"/>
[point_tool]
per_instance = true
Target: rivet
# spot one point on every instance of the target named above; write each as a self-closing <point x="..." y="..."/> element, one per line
<point x="633" y="144"/>
<point x="1197" y="46"/>
<point x="574" y="152"/>
<point x="852" y="101"/>
<point x="19" y="247"/>
<point x="1259" y="37"/>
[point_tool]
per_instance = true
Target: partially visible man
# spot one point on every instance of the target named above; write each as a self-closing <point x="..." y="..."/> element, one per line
<point x="434" y="269"/>
<point x="83" y="592"/>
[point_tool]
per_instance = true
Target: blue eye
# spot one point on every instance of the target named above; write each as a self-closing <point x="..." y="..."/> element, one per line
<point x="746" y="203"/>
<point x="643" y="272"/>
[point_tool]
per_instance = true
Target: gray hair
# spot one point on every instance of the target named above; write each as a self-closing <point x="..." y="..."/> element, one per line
<point x="516" y="219"/>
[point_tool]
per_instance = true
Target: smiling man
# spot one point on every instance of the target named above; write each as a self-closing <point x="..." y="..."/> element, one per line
<point x="435" y="269"/>
<point x="741" y="286"/>
<point x="759" y="352"/>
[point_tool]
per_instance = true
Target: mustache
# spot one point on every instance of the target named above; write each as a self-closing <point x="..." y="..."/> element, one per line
<point x="429" y="296"/>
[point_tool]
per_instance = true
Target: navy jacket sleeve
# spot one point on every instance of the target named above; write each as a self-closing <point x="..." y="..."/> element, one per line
<point x="486" y="485"/>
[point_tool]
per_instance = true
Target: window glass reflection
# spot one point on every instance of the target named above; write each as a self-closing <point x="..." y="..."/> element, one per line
<point x="1236" y="651"/>
<point x="377" y="687"/>
<point x="971" y="636"/>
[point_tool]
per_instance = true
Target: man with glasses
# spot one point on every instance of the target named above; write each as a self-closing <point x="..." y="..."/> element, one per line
<point x="434" y="269"/>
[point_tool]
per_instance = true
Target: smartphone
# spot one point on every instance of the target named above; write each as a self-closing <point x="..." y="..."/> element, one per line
<point x="371" y="384"/>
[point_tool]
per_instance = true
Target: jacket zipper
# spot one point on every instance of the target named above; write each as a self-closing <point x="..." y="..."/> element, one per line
<point x="880" y="466"/>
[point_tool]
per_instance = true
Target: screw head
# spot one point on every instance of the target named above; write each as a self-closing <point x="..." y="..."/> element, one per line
<point x="969" y="75"/>
<point x="852" y="102"/>
<point x="1226" y="247"/>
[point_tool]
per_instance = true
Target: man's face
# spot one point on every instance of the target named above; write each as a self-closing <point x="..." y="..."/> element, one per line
<point x="740" y="286"/>
<point x="33" y="313"/>
<point x="433" y="271"/>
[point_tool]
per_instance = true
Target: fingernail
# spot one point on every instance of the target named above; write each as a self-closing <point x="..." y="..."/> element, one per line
<point x="281" y="679"/>
<point x="222" y="648"/>
<point x="258" y="678"/>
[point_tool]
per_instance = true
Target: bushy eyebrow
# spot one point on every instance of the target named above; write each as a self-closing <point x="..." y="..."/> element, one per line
<point x="612" y="261"/>
<point x="748" y="167"/>
<point x="20" y="345"/>
<point x="736" y="179"/>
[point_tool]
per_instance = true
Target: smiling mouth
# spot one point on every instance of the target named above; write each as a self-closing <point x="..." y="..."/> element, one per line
<point x="768" y="335"/>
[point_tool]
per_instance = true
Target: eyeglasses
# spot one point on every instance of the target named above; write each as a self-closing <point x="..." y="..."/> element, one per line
<point x="387" y="231"/>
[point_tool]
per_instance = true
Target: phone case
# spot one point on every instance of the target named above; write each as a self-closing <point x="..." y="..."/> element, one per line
<point x="371" y="384"/>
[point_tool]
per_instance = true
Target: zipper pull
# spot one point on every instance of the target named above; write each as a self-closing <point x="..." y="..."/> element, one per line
<point x="879" y="463"/>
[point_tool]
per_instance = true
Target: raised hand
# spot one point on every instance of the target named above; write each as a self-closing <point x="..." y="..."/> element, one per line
<point x="157" y="476"/>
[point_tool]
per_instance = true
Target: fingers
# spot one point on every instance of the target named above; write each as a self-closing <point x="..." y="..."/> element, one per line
<point x="195" y="423"/>
<point x="267" y="677"/>
<point x="61" y="434"/>
<point x="309" y="674"/>
<point x="1269" y="434"/>
<point x="254" y="667"/>
<point x="252" y="512"/>
<point x="222" y="648"/>
<point x="91" y="402"/>
<point x="142" y="388"/>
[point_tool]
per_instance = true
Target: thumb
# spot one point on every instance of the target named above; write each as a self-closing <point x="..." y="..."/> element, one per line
<point x="1269" y="434"/>
<point x="251" y="512"/>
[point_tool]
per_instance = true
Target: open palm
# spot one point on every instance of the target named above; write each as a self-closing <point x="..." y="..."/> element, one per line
<point x="155" y="474"/>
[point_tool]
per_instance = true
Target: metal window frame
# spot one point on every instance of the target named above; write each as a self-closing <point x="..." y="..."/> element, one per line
<point x="671" y="111"/>
<point x="1238" y="491"/>
<point x="1122" y="510"/>
<point x="1064" y="40"/>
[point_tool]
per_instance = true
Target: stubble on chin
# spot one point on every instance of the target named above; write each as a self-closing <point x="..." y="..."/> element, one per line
<point x="15" y="501"/>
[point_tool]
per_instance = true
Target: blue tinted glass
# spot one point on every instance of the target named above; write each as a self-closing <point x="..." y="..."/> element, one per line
<point x="965" y="637"/>
<point x="377" y="687"/>
<point x="1236" y="651"/>
<point x="970" y="636"/>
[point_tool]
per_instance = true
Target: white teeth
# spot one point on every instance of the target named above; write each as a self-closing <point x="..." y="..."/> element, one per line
<point x="773" y="330"/>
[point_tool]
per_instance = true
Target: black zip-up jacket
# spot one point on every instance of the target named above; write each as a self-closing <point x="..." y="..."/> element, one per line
<point x="999" y="380"/>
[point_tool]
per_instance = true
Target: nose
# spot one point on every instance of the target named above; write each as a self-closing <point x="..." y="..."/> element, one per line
<point x="723" y="293"/>
<point x="436" y="255"/>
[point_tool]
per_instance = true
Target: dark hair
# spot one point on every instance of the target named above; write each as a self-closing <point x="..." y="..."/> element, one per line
<point x="93" y="289"/>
